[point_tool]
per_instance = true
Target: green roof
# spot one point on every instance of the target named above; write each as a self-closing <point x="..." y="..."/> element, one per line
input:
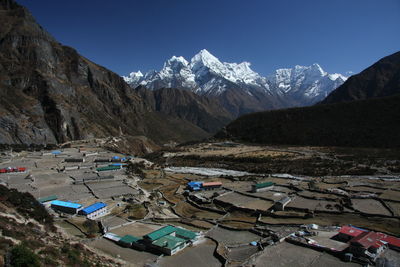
<point x="49" y="198"/>
<point x="169" y="242"/>
<point x="161" y="232"/>
<point x="129" y="239"/>
<point x="185" y="233"/>
<point x="108" y="168"/>
<point x="262" y="185"/>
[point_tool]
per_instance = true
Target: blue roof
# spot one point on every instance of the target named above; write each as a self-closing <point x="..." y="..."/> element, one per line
<point x="194" y="184"/>
<point x="56" y="152"/>
<point x="66" y="204"/>
<point x="116" y="157"/>
<point x="117" y="164"/>
<point x="93" y="208"/>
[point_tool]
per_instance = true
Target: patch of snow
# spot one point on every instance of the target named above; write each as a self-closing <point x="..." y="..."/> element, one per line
<point x="206" y="171"/>
<point x="286" y="175"/>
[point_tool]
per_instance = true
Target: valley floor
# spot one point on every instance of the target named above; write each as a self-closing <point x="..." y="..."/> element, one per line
<point x="329" y="187"/>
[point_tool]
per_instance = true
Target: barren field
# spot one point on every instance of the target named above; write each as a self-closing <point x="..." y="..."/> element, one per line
<point x="236" y="255"/>
<point x="236" y="199"/>
<point x="316" y="195"/>
<point x="370" y="206"/>
<point x="365" y="189"/>
<point x="274" y="196"/>
<point x="394" y="206"/>
<point x="188" y="211"/>
<point x="134" y="257"/>
<point x="286" y="254"/>
<point x="197" y="256"/>
<point x="323" y="185"/>
<point x="312" y="205"/>
<point x="229" y="237"/>
<point x="136" y="229"/>
<point x="391" y="195"/>
<point x="258" y="204"/>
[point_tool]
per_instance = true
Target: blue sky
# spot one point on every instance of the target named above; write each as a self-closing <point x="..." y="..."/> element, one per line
<point x="131" y="35"/>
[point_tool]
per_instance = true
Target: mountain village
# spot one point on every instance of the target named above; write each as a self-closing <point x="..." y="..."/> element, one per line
<point x="165" y="215"/>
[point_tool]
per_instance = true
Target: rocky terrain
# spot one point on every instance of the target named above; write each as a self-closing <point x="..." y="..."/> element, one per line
<point x="50" y="94"/>
<point x="202" y="111"/>
<point x="28" y="236"/>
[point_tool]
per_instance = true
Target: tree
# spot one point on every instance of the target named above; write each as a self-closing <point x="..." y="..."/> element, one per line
<point x="22" y="256"/>
<point x="91" y="226"/>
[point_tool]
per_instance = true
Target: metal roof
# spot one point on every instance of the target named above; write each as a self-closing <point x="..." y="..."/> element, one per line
<point x="66" y="204"/>
<point x="48" y="198"/>
<point x="117" y="164"/>
<point x="169" y="242"/>
<point x="351" y="231"/>
<point x="185" y="233"/>
<point x="128" y="239"/>
<point x="94" y="207"/>
<point x="166" y="230"/>
<point x="195" y="183"/>
<point x="394" y="241"/>
<point x="262" y="185"/>
<point x="212" y="184"/>
<point x="112" y="236"/>
<point x="367" y="239"/>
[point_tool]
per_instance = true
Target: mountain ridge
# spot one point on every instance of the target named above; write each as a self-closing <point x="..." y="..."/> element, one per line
<point x="206" y="75"/>
<point x="379" y="80"/>
<point x="51" y="94"/>
<point x="372" y="121"/>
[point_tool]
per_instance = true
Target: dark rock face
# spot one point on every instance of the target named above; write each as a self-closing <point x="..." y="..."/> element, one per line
<point x="379" y="80"/>
<point x="51" y="94"/>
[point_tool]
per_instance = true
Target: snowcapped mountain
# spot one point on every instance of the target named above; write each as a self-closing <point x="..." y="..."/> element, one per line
<point x="207" y="75"/>
<point x="310" y="83"/>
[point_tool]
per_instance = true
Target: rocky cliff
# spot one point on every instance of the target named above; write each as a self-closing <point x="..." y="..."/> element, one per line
<point x="51" y="94"/>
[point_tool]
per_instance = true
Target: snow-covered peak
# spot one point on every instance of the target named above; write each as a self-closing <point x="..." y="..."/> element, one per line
<point x="204" y="56"/>
<point x="335" y="76"/>
<point x="205" y="61"/>
<point x="134" y="77"/>
<point x="316" y="68"/>
<point x="175" y="61"/>
<point x="205" y="74"/>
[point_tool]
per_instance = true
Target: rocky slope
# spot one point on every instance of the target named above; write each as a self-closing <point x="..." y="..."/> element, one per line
<point x="28" y="236"/>
<point x="237" y="86"/>
<point x="371" y="122"/>
<point x="51" y="94"/>
<point x="380" y="79"/>
<point x="202" y="111"/>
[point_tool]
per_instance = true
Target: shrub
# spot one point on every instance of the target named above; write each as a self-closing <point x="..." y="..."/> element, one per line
<point x="22" y="256"/>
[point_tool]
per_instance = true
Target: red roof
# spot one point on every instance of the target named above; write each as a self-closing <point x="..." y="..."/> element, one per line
<point x="212" y="184"/>
<point x="351" y="231"/>
<point x="367" y="239"/>
<point x="391" y="240"/>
